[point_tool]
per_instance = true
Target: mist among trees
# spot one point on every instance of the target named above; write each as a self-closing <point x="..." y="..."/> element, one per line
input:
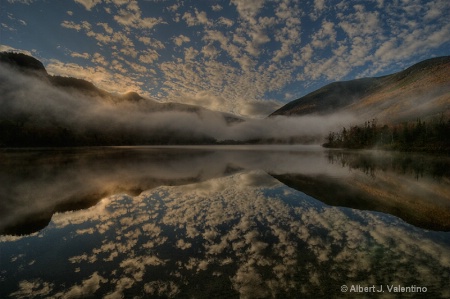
<point x="433" y="135"/>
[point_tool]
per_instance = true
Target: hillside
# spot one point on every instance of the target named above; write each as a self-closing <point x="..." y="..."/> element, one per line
<point x="329" y="98"/>
<point x="422" y="90"/>
<point x="23" y="62"/>
<point x="37" y="109"/>
<point x="31" y="66"/>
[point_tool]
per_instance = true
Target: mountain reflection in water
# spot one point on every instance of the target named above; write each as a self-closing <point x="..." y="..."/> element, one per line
<point x="226" y="228"/>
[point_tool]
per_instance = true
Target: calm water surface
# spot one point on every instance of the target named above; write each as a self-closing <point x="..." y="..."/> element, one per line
<point x="223" y="222"/>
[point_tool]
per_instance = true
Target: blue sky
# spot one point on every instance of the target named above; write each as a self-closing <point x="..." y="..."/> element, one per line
<point x="247" y="57"/>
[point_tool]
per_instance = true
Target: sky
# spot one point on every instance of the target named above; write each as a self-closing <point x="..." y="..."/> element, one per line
<point x="247" y="57"/>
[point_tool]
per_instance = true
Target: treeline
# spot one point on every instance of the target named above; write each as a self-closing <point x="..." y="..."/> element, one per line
<point x="32" y="133"/>
<point x="431" y="136"/>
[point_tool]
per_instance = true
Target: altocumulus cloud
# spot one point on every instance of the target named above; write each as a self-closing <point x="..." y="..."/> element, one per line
<point x="244" y="55"/>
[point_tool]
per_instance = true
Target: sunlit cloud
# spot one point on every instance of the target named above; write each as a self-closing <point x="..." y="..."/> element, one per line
<point x="28" y="2"/>
<point x="263" y="49"/>
<point x="179" y="40"/>
<point x="99" y="75"/>
<point x="80" y="55"/>
<point x="5" y="48"/>
<point x="36" y="287"/>
<point x="88" y="4"/>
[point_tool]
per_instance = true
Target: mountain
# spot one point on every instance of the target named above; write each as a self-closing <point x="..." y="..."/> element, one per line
<point x="38" y="109"/>
<point x="77" y="85"/>
<point x="30" y="65"/>
<point x="330" y="97"/>
<point x="422" y="90"/>
<point x="23" y="63"/>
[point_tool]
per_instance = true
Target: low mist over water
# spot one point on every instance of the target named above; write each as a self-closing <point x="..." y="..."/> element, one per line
<point x="82" y="118"/>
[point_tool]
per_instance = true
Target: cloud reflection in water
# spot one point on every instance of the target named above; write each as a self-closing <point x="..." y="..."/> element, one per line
<point x="243" y="235"/>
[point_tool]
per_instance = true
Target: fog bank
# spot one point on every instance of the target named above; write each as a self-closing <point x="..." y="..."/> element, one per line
<point x="32" y="101"/>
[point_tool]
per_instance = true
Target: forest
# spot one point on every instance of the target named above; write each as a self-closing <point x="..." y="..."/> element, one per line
<point x="419" y="135"/>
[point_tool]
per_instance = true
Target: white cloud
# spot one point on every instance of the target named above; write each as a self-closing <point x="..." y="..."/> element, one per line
<point x="87" y="287"/>
<point x="80" y="55"/>
<point x="106" y="27"/>
<point x="120" y="3"/>
<point x="206" y="86"/>
<point x="289" y="35"/>
<point x="28" y="2"/>
<point x="179" y="40"/>
<point x="132" y="17"/>
<point x="217" y="7"/>
<point x="189" y="19"/>
<point x="410" y="43"/>
<point x="325" y="36"/>
<point x="248" y="9"/>
<point x="189" y="54"/>
<point x="6" y="48"/>
<point x="210" y="51"/>
<point x="137" y="67"/>
<point x="225" y="21"/>
<point x="202" y="18"/>
<point x="148" y="56"/>
<point x="258" y="38"/>
<point x="319" y="4"/>
<point x="307" y="53"/>
<point x="88" y="4"/>
<point x="183" y="245"/>
<point x="361" y="23"/>
<point x="174" y="7"/>
<point x="28" y="289"/>
<point x="198" y="18"/>
<point x="5" y="26"/>
<point x="129" y="51"/>
<point x="386" y="51"/>
<point x="151" y="42"/>
<point x="100" y="76"/>
<point x="162" y="288"/>
<point x="71" y="25"/>
<point x="263" y="41"/>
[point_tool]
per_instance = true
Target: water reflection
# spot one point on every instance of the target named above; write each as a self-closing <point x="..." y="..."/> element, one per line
<point x="414" y="187"/>
<point x="37" y="183"/>
<point x="242" y="235"/>
<point x="34" y="184"/>
<point x="370" y="162"/>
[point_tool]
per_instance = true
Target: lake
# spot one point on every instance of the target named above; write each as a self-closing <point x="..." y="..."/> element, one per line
<point x="223" y="222"/>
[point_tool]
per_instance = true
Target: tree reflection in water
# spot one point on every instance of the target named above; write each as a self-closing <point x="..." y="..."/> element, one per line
<point x="231" y="231"/>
